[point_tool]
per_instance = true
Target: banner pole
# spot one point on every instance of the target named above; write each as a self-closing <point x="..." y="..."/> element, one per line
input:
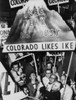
<point x="55" y="60"/>
<point x="70" y="64"/>
<point x="62" y="57"/>
<point x="46" y="59"/>
<point x="58" y="7"/>
<point x="35" y="64"/>
<point x="68" y="73"/>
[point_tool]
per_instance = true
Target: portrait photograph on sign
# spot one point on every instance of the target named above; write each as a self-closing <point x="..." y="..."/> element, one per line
<point x="21" y="66"/>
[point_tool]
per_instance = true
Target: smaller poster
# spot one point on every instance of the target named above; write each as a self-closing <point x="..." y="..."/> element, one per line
<point x="42" y="46"/>
<point x="55" y="2"/>
<point x="17" y="3"/>
<point x="4" y="32"/>
<point x="8" y="89"/>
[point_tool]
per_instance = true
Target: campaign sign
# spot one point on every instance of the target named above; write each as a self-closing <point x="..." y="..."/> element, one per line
<point x="43" y="46"/>
<point x="8" y="89"/>
<point x="36" y="23"/>
<point x="16" y="3"/>
<point x="4" y="32"/>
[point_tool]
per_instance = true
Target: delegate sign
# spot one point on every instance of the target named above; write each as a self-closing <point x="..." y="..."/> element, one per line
<point x="17" y="3"/>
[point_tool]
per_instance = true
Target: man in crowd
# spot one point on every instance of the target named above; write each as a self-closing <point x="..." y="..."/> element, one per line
<point x="47" y="75"/>
<point x="49" y="65"/>
<point x="52" y="79"/>
<point x="66" y="91"/>
<point x="53" y="93"/>
<point x="50" y="90"/>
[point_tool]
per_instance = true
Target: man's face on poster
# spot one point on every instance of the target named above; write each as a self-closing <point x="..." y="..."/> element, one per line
<point x="32" y="76"/>
<point x="15" y="67"/>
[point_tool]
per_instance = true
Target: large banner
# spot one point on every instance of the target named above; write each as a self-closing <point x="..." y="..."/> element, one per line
<point x="43" y="46"/>
<point x="55" y="2"/>
<point x="37" y="23"/>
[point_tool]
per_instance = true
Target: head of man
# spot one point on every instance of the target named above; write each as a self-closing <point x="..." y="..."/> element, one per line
<point x="63" y="79"/>
<point x="56" y="86"/>
<point x="49" y="65"/>
<point x="15" y="67"/>
<point x="54" y="69"/>
<point x="52" y="78"/>
<point x="48" y="73"/>
<point x="32" y="76"/>
<point x="51" y="60"/>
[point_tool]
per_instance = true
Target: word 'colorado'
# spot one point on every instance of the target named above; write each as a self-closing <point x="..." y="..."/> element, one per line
<point x="42" y="46"/>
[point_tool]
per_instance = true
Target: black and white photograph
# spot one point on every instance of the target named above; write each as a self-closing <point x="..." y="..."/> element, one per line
<point x="37" y="49"/>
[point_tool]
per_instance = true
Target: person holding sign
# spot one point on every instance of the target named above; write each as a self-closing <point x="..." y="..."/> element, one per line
<point x="66" y="91"/>
<point x="34" y="85"/>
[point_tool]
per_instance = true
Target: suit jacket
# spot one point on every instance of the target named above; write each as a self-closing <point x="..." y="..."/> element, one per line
<point x="32" y="91"/>
<point x="52" y="95"/>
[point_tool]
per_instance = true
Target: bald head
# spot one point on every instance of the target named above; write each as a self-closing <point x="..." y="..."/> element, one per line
<point x="56" y="86"/>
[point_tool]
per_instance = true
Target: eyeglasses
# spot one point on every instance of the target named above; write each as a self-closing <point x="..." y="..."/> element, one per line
<point x="48" y="73"/>
<point x="52" y="77"/>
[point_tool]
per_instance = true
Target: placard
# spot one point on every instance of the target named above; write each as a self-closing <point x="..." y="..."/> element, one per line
<point x="48" y="46"/>
<point x="17" y="3"/>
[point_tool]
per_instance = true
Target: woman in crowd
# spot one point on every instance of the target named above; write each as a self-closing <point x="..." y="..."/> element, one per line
<point x="54" y="71"/>
<point x="47" y="75"/>
<point x="34" y="85"/>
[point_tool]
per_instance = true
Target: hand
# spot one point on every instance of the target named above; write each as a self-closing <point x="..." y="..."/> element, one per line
<point x="26" y="91"/>
<point x="22" y="75"/>
<point x="38" y="78"/>
<point x="49" y="87"/>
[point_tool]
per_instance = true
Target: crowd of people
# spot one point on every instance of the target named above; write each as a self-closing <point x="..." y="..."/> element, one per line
<point x="49" y="86"/>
